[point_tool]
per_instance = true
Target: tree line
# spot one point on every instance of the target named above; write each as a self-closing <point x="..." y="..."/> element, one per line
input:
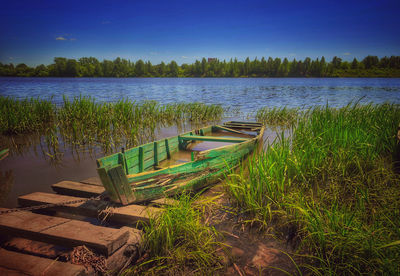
<point x="370" y="66"/>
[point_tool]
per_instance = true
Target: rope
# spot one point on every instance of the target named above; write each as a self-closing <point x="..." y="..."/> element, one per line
<point x="49" y="205"/>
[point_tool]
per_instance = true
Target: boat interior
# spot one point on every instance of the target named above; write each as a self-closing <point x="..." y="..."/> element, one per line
<point x="180" y="149"/>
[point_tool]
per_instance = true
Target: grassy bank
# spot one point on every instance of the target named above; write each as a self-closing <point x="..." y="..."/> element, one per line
<point x="177" y="242"/>
<point x="83" y="121"/>
<point x="330" y="189"/>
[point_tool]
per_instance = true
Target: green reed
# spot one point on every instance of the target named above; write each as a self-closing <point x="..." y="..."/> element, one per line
<point x="331" y="188"/>
<point x="282" y="116"/>
<point x="83" y="121"/>
<point x="178" y="242"/>
<point x="25" y="116"/>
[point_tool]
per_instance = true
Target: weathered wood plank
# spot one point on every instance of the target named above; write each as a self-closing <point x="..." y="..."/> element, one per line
<point x="71" y="188"/>
<point x="120" y="185"/>
<point x="228" y="129"/>
<point x="108" y="160"/>
<point x="141" y="160"/>
<point x="213" y="139"/>
<point x="244" y="123"/>
<point x="127" y="215"/>
<point x="132" y="153"/>
<point x="148" y="147"/>
<point x="156" y="153"/>
<point x="77" y="189"/>
<point x="61" y="231"/>
<point x="164" y="201"/>
<point x="92" y="181"/>
<point x="253" y="128"/>
<point x="37" y="248"/>
<point x="32" y="265"/>
<point x="148" y="154"/>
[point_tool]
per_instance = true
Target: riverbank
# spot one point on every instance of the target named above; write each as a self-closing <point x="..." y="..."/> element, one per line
<point x="325" y="193"/>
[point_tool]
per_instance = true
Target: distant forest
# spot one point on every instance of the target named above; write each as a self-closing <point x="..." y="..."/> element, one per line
<point x="370" y="66"/>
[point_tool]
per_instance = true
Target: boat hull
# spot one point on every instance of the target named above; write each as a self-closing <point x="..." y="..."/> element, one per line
<point x="127" y="184"/>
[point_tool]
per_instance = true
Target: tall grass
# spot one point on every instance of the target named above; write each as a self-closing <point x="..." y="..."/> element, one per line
<point x="83" y="121"/>
<point x="282" y="116"/>
<point x="331" y="187"/>
<point x="178" y="243"/>
<point x="25" y="116"/>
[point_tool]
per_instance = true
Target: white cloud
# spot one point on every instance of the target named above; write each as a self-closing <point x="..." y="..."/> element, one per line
<point x="184" y="57"/>
<point x="347" y="54"/>
<point x="60" y="38"/>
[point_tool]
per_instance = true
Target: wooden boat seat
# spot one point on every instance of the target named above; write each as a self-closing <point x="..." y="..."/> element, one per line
<point x="212" y="139"/>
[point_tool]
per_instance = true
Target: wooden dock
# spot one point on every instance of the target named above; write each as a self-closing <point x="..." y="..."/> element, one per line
<point x="47" y="241"/>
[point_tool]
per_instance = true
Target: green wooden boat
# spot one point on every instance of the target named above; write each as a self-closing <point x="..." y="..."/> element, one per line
<point x="3" y="153"/>
<point x="172" y="165"/>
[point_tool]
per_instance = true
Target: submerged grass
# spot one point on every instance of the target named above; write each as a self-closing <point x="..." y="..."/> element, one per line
<point x="25" y="116"/>
<point x="83" y="121"/>
<point x="331" y="187"/>
<point x="178" y="243"/>
<point x="282" y="116"/>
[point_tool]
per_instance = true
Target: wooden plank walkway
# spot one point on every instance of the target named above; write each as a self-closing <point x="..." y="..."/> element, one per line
<point x="81" y="189"/>
<point x="14" y="263"/>
<point x="33" y="243"/>
<point x="61" y="231"/>
<point x="77" y="189"/>
<point x="128" y="214"/>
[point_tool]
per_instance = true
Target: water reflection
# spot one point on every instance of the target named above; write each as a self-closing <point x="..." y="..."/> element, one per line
<point x="6" y="182"/>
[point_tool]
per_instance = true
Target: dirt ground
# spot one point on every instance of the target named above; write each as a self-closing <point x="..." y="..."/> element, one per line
<point x="248" y="251"/>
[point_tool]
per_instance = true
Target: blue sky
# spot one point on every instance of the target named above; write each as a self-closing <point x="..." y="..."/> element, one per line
<point x="35" y="32"/>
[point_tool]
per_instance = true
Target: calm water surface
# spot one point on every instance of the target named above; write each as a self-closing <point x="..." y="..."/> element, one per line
<point x="248" y="94"/>
<point x="31" y="170"/>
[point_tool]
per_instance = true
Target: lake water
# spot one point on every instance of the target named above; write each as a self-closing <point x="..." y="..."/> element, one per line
<point x="31" y="170"/>
<point x="247" y="94"/>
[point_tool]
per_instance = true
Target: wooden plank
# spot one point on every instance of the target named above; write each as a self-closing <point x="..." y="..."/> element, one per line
<point x="95" y="180"/>
<point x="244" y="123"/>
<point x="120" y="185"/>
<point x="132" y="163"/>
<point x="148" y="154"/>
<point x="132" y="153"/>
<point x="130" y="251"/>
<point x="108" y="184"/>
<point x="162" y="156"/>
<point x="164" y="201"/>
<point x="243" y="127"/>
<point x="33" y="265"/>
<point x="108" y="160"/>
<point x="156" y="153"/>
<point x="71" y="188"/>
<point x="148" y="163"/>
<point x="213" y="139"/>
<point x="229" y="130"/>
<point x="141" y="160"/>
<point x="61" y="231"/>
<point x="126" y="215"/>
<point x="147" y="147"/>
<point x="167" y="149"/>
<point x="77" y="189"/>
<point x="37" y="248"/>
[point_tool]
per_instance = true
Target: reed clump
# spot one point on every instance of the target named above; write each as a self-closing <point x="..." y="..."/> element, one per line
<point x="331" y="187"/>
<point x="177" y="242"/>
<point x="278" y="116"/>
<point x="25" y="116"/>
<point x="83" y="121"/>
